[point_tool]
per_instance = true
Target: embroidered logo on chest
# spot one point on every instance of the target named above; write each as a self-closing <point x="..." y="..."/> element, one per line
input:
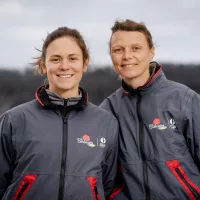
<point x="86" y="140"/>
<point x="157" y="125"/>
<point x="172" y="124"/>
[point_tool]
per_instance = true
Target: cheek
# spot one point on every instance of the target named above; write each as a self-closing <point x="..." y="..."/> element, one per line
<point x="116" y="59"/>
<point x="147" y="57"/>
<point x="79" y="68"/>
<point x="142" y="59"/>
<point x="51" y="70"/>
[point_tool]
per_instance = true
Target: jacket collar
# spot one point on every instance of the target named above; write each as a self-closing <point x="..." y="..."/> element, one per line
<point x="152" y="83"/>
<point x="43" y="98"/>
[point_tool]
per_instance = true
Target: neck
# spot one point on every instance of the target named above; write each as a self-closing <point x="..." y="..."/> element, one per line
<point x="66" y="94"/>
<point x="138" y="81"/>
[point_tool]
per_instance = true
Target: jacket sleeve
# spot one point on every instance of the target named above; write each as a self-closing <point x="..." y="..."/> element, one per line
<point x="193" y="126"/>
<point x="6" y="153"/>
<point x="110" y="165"/>
<point x="107" y="105"/>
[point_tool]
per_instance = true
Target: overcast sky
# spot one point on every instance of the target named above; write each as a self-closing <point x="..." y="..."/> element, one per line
<point x="174" y="24"/>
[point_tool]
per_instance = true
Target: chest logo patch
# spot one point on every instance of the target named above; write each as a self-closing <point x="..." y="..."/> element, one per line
<point x="157" y="125"/>
<point x="102" y="142"/>
<point x="172" y="124"/>
<point x="86" y="140"/>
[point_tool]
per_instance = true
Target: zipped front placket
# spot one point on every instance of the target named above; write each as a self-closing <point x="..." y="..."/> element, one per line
<point x="65" y="115"/>
<point x="192" y="189"/>
<point x="142" y="151"/>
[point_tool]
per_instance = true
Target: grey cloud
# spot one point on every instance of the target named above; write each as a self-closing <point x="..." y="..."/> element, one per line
<point x="174" y="26"/>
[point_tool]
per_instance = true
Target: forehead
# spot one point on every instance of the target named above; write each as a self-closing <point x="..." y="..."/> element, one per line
<point x="62" y="46"/>
<point x="128" y="38"/>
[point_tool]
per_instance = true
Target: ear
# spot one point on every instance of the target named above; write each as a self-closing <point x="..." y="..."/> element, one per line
<point x="152" y="53"/>
<point x="43" y="66"/>
<point x="85" y="67"/>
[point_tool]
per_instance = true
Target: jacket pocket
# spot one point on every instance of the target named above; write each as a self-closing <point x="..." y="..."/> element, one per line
<point x="120" y="184"/>
<point x="25" y="186"/>
<point x="116" y="192"/>
<point x="93" y="184"/>
<point x="192" y="190"/>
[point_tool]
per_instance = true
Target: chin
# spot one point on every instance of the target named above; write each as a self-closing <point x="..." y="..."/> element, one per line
<point x="130" y="76"/>
<point x="64" y="88"/>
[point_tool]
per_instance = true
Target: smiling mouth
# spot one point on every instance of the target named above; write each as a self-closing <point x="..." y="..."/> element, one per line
<point x="128" y="65"/>
<point x="65" y="75"/>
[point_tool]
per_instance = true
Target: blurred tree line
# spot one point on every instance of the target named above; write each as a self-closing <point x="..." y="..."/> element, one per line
<point x="18" y="87"/>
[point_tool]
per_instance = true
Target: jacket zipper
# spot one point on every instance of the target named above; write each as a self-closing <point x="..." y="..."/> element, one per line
<point x="22" y="190"/>
<point x="141" y="140"/>
<point x="192" y="189"/>
<point x="64" y="152"/>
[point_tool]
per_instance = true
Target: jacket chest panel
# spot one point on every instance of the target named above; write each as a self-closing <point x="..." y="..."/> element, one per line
<point x="129" y="138"/>
<point x="39" y="148"/>
<point x="162" y="128"/>
<point x="163" y="131"/>
<point x="87" y="147"/>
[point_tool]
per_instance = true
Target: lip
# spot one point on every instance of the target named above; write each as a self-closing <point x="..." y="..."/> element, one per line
<point x="128" y="65"/>
<point x="64" y="75"/>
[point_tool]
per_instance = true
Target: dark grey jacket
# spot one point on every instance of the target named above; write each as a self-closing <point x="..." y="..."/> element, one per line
<point x="49" y="153"/>
<point x="159" y="148"/>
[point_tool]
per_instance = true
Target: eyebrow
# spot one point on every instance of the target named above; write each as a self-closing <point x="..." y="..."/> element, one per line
<point x="136" y="44"/>
<point x="73" y="54"/>
<point x="131" y="46"/>
<point x="55" y="56"/>
<point x="119" y="45"/>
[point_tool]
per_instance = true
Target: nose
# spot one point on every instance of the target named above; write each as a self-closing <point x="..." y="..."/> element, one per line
<point x="65" y="65"/>
<point x="128" y="54"/>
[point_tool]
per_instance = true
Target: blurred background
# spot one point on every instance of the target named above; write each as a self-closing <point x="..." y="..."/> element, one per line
<point x="174" y="24"/>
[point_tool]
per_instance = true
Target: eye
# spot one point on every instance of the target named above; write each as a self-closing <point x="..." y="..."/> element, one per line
<point x="136" y="48"/>
<point x="118" y="50"/>
<point x="55" y="60"/>
<point x="73" y="59"/>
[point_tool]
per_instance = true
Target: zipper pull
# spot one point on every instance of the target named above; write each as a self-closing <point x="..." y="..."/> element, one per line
<point x="65" y="120"/>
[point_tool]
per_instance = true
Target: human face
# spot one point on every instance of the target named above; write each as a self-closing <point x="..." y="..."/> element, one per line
<point x="64" y="66"/>
<point x="131" y="56"/>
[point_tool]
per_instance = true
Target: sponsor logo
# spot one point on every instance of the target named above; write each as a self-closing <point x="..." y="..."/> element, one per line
<point x="172" y="124"/>
<point x="86" y="140"/>
<point x="102" y="142"/>
<point x="157" y="125"/>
